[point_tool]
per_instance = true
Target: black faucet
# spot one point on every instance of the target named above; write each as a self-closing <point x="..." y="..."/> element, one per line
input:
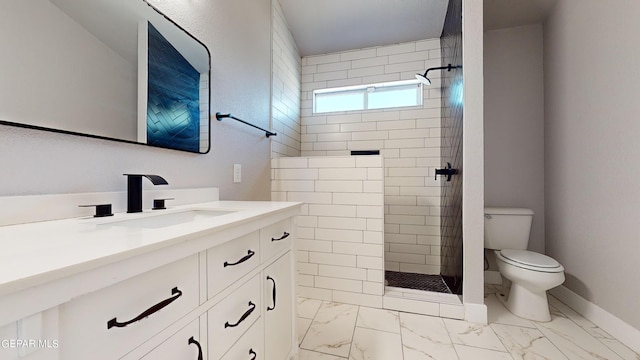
<point x="134" y="190"/>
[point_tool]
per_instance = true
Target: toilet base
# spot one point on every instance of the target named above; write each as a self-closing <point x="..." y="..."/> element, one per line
<point x="531" y="305"/>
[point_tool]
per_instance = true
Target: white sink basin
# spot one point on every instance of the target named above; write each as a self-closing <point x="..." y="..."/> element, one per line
<point x="156" y="221"/>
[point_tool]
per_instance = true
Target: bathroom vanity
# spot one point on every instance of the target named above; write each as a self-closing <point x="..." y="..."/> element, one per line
<point x="203" y="281"/>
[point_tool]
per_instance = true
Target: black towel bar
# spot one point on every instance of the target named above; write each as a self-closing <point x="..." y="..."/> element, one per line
<point x="220" y="116"/>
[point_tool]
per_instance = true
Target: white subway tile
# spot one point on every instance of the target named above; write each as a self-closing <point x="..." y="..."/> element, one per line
<point x="410" y="249"/>
<point x="342" y="272"/>
<point x="358" y="54"/>
<point x="342" y="174"/>
<point x="278" y="196"/>
<point x="375" y="186"/>
<point x="304" y="280"/>
<point x="344" y="82"/>
<point x="399" y="162"/>
<point x="339" y="235"/>
<point x="348" y="297"/>
<point x="334" y="75"/>
<point x="332" y="222"/>
<point x="332" y="162"/>
<point x="429" y="240"/>
<point x="413" y="67"/>
<point x="409" y="210"/>
<point x="420" y="268"/>
<point x="329" y="137"/>
<point x="336" y="66"/>
<point x="375" y="174"/>
<point x="333" y="210"/>
<point x="373" y="288"/>
<point x="306" y="233"/>
<point x="391" y="266"/>
<point x="373" y="237"/>
<point x="375" y="275"/>
<point x="295" y="174"/>
<point x="302" y="256"/>
<point x="310" y="197"/>
<point x="405" y="219"/>
<point x="344" y="118"/>
<point x="338" y="284"/>
<point x="370" y="262"/>
<point x="338" y="186"/>
<point x="358" y="199"/>
<point x="375" y="225"/>
<point x="400" y="238"/>
<point x="370" y="135"/>
<point x="381" y="116"/>
<point x="419" y="230"/>
<point x="429" y="44"/>
<point x="306" y="268"/>
<point x="313" y="120"/>
<point x="409" y="134"/>
<point x="330" y="145"/>
<point x="409" y="57"/>
<point x="332" y="259"/>
<point x="351" y="127"/>
<point x="368" y="71"/>
<point x="316" y="245"/>
<point x="340" y="247"/>
<point x="315" y="293"/>
<point x="396" y="49"/>
<point x="368" y="161"/>
<point x="289" y="163"/>
<point x="322" y="59"/>
<point x="331" y="128"/>
<point x="420" y="152"/>
<point x="292" y="185"/>
<point x="404" y="181"/>
<point x="369" y="62"/>
<point x="403" y="258"/>
<point x="420" y="114"/>
<point x="396" y="124"/>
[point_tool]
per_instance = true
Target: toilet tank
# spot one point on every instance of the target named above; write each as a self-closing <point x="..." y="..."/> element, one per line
<point x="507" y="228"/>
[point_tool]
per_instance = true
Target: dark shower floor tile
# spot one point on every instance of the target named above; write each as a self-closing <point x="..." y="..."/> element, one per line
<point x="416" y="281"/>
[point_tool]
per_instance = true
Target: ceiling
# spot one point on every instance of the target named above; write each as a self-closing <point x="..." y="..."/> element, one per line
<point x="327" y="26"/>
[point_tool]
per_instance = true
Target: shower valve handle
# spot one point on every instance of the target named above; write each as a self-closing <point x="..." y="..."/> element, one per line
<point x="448" y="171"/>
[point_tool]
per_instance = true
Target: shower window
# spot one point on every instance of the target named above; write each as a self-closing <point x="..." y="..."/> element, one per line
<point x="366" y="97"/>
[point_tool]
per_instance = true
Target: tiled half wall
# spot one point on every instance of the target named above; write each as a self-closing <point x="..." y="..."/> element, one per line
<point x="408" y="138"/>
<point x="340" y="230"/>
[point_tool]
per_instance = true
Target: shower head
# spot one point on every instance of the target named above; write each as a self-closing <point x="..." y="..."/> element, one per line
<point x="425" y="80"/>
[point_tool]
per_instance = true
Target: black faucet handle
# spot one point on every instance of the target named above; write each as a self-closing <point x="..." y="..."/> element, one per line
<point x="158" y="204"/>
<point x="102" y="210"/>
<point x="155" y="179"/>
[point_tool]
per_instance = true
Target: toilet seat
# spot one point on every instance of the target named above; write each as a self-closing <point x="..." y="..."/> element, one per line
<point x="530" y="260"/>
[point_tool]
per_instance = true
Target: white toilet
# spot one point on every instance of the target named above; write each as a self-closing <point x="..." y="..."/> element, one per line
<point x="506" y="230"/>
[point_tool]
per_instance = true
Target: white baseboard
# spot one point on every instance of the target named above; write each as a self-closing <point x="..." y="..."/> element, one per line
<point x="615" y="326"/>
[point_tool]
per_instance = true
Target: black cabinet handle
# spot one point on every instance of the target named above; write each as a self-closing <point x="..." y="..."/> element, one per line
<point x="253" y="354"/>
<point x="284" y="236"/>
<point x="273" y="294"/>
<point x="250" y="253"/>
<point x="155" y="308"/>
<point x="194" y="341"/>
<point x="252" y="307"/>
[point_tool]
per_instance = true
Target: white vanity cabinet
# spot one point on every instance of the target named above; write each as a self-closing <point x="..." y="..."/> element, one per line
<point x="218" y="286"/>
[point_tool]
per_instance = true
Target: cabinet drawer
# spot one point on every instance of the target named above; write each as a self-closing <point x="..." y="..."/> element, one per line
<point x="110" y="322"/>
<point x="249" y="344"/>
<point x="185" y="344"/>
<point x="231" y="317"/>
<point x="275" y="238"/>
<point x="230" y="261"/>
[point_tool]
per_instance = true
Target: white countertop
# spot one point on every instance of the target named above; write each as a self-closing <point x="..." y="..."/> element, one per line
<point x="35" y="253"/>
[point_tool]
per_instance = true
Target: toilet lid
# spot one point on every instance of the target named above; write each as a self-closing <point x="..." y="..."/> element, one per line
<point x="530" y="259"/>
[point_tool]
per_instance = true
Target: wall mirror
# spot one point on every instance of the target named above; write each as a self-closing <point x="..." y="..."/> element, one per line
<point x="109" y="69"/>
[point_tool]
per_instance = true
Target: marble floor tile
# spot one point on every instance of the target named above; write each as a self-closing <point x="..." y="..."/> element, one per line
<point x="621" y="349"/>
<point x="526" y="343"/>
<point x="587" y="325"/>
<point x="476" y="335"/>
<point x="307" y="308"/>
<point x="371" y="344"/>
<point x="331" y="331"/>
<point x="572" y="340"/>
<point x="303" y="326"/>
<point x="425" y="337"/>
<point x="499" y="314"/>
<point x="312" y="355"/>
<point x="474" y="353"/>
<point x="378" y="319"/>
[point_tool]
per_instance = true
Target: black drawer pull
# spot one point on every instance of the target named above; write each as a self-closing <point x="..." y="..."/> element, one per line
<point x="250" y="253"/>
<point x="284" y="236"/>
<point x="253" y="354"/>
<point x="243" y="317"/>
<point x="194" y="341"/>
<point x="273" y="294"/>
<point x="155" y="308"/>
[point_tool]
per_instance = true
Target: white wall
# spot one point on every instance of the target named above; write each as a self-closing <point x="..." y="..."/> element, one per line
<point x="407" y="137"/>
<point x="592" y="84"/>
<point x="238" y="35"/>
<point x="514" y="123"/>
